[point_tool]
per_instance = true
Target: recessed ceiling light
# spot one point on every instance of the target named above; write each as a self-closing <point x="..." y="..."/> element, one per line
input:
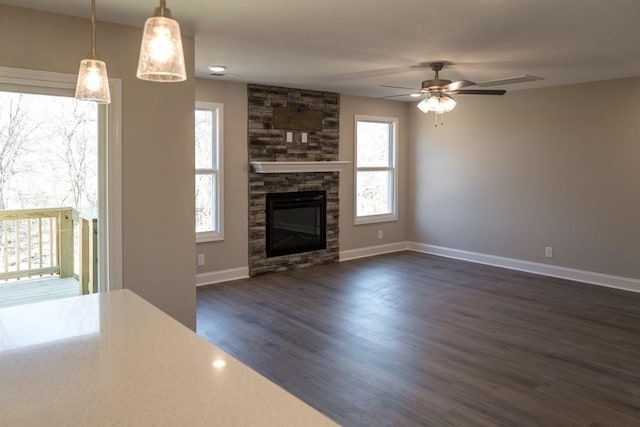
<point x="219" y="363"/>
<point x="217" y="68"/>
<point x="415" y="95"/>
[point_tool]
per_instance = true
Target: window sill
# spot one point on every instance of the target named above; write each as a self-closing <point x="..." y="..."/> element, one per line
<point x="204" y="237"/>
<point x="373" y="219"/>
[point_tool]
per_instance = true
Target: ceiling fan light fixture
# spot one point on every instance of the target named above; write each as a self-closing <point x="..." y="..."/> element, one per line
<point x="422" y="105"/>
<point x="433" y="103"/>
<point x="439" y="104"/>
<point x="161" y="55"/>
<point x="447" y="103"/>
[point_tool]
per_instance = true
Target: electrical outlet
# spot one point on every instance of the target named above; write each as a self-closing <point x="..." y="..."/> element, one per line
<point x="380" y="234"/>
<point x="289" y="136"/>
<point x="548" y="252"/>
<point x="200" y="260"/>
<point x="304" y="137"/>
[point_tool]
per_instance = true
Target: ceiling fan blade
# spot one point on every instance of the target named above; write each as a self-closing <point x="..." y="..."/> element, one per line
<point x="400" y="87"/>
<point x="509" y="80"/>
<point x="478" y="92"/>
<point x="458" y="85"/>
<point x="395" y="96"/>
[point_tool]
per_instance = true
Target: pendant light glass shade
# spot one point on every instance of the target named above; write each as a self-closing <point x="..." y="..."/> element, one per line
<point x="161" y="56"/>
<point x="93" y="82"/>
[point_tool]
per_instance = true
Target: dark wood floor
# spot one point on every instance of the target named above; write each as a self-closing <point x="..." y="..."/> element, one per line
<point x="413" y="339"/>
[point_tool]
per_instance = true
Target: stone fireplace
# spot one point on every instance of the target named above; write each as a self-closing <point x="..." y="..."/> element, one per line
<point x="285" y="141"/>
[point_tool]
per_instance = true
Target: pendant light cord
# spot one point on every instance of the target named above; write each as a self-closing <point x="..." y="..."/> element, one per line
<point x="93" y="29"/>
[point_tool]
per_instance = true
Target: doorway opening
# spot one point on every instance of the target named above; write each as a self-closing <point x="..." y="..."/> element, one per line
<point x="54" y="196"/>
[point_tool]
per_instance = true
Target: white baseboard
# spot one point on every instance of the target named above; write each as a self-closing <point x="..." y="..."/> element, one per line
<point x="372" y="250"/>
<point x="618" y="282"/>
<point x="625" y="283"/>
<point x="222" y="276"/>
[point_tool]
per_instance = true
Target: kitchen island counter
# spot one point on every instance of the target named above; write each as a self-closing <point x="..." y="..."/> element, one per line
<point x="114" y="359"/>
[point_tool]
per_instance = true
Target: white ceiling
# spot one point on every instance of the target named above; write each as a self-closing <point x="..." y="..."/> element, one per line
<point x="354" y="46"/>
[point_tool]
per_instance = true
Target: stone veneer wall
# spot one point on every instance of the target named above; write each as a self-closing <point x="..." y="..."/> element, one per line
<point x="268" y="144"/>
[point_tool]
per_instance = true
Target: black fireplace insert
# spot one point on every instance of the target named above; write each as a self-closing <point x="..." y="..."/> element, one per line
<point x="296" y="222"/>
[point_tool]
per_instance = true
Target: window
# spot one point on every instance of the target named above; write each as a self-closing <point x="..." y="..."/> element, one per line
<point x="376" y="173"/>
<point x="208" y="195"/>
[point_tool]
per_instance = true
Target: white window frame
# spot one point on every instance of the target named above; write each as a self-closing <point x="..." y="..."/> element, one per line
<point x="393" y="166"/>
<point x="218" y="235"/>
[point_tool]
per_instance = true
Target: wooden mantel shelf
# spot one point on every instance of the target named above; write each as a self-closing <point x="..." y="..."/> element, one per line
<point x="297" y="167"/>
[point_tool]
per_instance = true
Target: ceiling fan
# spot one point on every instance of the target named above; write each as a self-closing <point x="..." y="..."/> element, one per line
<point x="439" y="91"/>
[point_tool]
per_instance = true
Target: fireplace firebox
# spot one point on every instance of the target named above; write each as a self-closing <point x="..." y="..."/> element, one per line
<point x="296" y="222"/>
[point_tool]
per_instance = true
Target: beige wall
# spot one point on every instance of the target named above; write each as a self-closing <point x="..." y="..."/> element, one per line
<point x="553" y="167"/>
<point x="157" y="148"/>
<point x="233" y="251"/>
<point x="365" y="235"/>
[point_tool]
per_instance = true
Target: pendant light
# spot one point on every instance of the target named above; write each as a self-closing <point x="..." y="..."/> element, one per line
<point x="161" y="56"/>
<point x="93" y="82"/>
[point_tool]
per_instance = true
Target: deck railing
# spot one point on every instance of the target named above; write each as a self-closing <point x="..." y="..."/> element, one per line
<point x="53" y="241"/>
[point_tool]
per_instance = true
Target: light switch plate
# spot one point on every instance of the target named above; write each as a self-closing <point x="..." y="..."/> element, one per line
<point x="289" y="136"/>
<point x="304" y="137"/>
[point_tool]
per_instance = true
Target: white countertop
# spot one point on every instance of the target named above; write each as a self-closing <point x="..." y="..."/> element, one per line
<point x="114" y="359"/>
